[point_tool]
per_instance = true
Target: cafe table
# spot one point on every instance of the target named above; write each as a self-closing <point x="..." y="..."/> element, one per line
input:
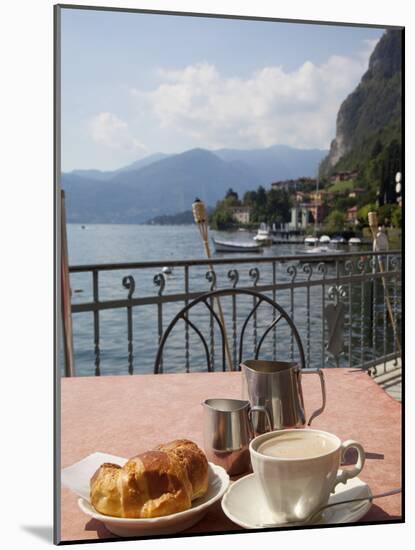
<point x="126" y="415"/>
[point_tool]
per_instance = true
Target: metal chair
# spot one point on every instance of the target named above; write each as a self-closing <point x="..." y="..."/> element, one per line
<point x="208" y="300"/>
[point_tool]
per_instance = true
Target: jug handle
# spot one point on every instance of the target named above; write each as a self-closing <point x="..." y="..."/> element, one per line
<point x="259" y="408"/>
<point x="323" y="391"/>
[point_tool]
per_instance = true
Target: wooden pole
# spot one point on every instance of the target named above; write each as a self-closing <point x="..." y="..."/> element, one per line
<point x="66" y="296"/>
<point x="373" y="224"/>
<point x="200" y="217"/>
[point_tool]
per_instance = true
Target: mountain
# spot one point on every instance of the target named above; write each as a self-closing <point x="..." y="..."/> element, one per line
<point x="279" y="162"/>
<point x="101" y="175"/>
<point x="143" y="162"/>
<point x="369" y="119"/>
<point x="98" y="175"/>
<point x="166" y="184"/>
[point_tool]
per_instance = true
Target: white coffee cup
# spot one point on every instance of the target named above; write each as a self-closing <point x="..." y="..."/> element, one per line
<point x="298" y="469"/>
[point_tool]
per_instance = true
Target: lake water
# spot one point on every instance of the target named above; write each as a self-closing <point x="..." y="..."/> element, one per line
<point x="99" y="244"/>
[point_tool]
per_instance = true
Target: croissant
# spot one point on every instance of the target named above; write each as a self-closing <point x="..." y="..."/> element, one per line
<point x="156" y="483"/>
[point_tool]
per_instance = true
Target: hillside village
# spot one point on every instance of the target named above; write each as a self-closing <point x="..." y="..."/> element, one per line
<point x="335" y="204"/>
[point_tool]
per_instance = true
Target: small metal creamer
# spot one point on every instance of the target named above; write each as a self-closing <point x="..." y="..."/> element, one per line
<point x="274" y="388"/>
<point x="227" y="431"/>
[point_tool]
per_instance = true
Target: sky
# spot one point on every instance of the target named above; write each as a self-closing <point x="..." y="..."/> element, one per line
<point x="134" y="84"/>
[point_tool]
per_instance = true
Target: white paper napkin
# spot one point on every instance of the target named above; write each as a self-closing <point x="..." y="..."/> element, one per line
<point x="77" y="477"/>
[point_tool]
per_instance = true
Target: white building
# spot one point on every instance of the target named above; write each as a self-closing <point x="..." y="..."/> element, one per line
<point x="300" y="217"/>
<point x="241" y="214"/>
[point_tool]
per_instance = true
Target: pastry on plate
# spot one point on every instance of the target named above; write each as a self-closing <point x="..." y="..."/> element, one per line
<point x="155" y="483"/>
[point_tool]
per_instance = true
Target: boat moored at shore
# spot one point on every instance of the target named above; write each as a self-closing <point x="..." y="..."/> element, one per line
<point x="311" y="241"/>
<point x="234" y="246"/>
<point x="263" y="237"/>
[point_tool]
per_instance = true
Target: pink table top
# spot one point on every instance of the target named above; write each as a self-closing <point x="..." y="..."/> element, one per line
<point x="126" y="415"/>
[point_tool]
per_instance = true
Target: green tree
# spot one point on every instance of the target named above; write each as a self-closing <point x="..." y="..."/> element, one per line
<point x="386" y="213"/>
<point x="250" y="198"/>
<point x="278" y="206"/>
<point x="377" y="149"/>
<point x="397" y="216"/>
<point x="221" y="217"/>
<point x="261" y="197"/>
<point x="363" y="212"/>
<point x="232" y="196"/>
<point x="335" y="221"/>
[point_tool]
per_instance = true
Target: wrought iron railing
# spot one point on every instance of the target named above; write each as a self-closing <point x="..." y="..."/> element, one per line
<point x="338" y="303"/>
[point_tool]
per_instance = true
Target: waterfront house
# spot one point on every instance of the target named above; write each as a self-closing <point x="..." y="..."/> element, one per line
<point x="241" y="214"/>
<point x="352" y="215"/>
<point x="344" y="176"/>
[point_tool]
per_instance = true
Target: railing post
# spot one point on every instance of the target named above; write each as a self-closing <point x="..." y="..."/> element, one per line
<point x="186" y="327"/>
<point x="129" y="283"/>
<point x="97" y="352"/>
<point x="274" y="297"/>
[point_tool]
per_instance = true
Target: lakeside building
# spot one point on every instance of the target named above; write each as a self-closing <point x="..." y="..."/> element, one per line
<point x="305" y="214"/>
<point x="352" y="215"/>
<point x="344" y="176"/>
<point x="300" y="217"/>
<point x="241" y="214"/>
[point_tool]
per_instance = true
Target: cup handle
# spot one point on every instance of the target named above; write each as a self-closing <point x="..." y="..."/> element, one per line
<point x="323" y="391"/>
<point x="259" y="408"/>
<point x="344" y="475"/>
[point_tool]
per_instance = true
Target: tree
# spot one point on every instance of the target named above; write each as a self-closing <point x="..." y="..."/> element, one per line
<point x="221" y="217"/>
<point x="231" y="198"/>
<point x="335" y="221"/>
<point x="250" y="198"/>
<point x="397" y="216"/>
<point x="278" y="206"/>
<point x="261" y="198"/>
<point x="363" y="212"/>
<point x="385" y="214"/>
<point x="377" y="149"/>
<point x="230" y="193"/>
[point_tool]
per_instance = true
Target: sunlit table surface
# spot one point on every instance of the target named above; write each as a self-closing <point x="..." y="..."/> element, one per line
<point x="126" y="415"/>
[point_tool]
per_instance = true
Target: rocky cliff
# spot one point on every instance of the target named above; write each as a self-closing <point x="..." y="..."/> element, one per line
<point x="372" y="112"/>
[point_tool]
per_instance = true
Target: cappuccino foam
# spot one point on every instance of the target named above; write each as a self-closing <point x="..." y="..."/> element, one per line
<point x="297" y="446"/>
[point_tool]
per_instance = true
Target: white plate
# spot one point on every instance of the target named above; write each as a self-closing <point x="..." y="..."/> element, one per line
<point x="173" y="523"/>
<point x="245" y="504"/>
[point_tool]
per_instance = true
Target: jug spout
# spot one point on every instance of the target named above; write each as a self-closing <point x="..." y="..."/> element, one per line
<point x="225" y="405"/>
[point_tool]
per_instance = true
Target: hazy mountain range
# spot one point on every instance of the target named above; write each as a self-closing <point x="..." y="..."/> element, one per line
<point x="166" y="184"/>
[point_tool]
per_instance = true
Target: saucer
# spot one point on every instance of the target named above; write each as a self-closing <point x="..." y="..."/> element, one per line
<point x="245" y="505"/>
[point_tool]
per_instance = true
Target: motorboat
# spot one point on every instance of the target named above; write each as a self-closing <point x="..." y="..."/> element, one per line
<point x="311" y="241"/>
<point x="314" y="254"/>
<point x="235" y="246"/>
<point x="167" y="270"/>
<point x="263" y="236"/>
<point x="324" y="239"/>
<point x="338" y="240"/>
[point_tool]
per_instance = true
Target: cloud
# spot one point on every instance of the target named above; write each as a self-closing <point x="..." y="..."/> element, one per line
<point x="272" y="105"/>
<point x="109" y="130"/>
